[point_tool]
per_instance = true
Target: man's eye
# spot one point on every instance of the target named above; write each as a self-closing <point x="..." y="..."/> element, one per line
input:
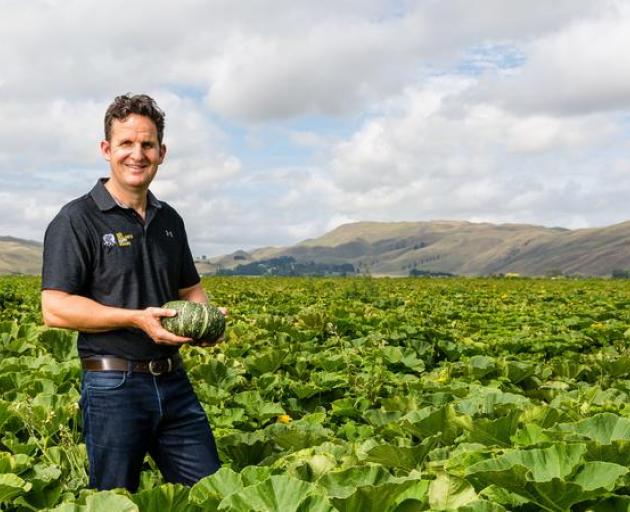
<point x="148" y="145"/>
<point x="125" y="143"/>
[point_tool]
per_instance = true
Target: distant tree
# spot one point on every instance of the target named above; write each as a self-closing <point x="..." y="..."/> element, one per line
<point x="620" y="274"/>
<point x="428" y="273"/>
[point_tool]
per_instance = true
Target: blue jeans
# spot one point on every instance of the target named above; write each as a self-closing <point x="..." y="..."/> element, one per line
<point x="129" y="414"/>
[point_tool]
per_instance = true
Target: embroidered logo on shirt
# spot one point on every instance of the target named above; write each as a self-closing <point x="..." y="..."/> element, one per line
<point x="169" y="233"/>
<point x="124" y="239"/>
<point x="109" y="240"/>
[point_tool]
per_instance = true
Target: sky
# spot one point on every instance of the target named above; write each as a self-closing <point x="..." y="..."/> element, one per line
<point x="288" y="118"/>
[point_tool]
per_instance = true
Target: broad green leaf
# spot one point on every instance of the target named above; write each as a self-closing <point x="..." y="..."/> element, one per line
<point x="315" y="503"/>
<point x="482" y="506"/>
<point x="298" y="435"/>
<point x="397" y="357"/>
<point x="9" y="328"/>
<point x="265" y="363"/>
<point x="543" y="415"/>
<point x="6" y="414"/>
<point x="399" y="403"/>
<point x="410" y="505"/>
<point x="104" y="501"/>
<point x="214" y="373"/>
<point x="603" y="428"/>
<point x="46" y="488"/>
<point x="553" y="478"/>
<point x="557" y="461"/>
<point x="381" y="498"/>
<point x="612" y="504"/>
<point x="598" y="475"/>
<point x="279" y="493"/>
<point x="347" y="408"/>
<point x="509" y="500"/>
<point x="400" y="456"/>
<point x="167" y="497"/>
<point x="257" y="407"/>
<point x="428" y="422"/>
<point x="530" y="434"/>
<point x="304" y="390"/>
<point x="254" y="474"/>
<point x="479" y="366"/>
<point x="617" y="452"/>
<point x="619" y="367"/>
<point x="60" y="343"/>
<point x="448" y="492"/>
<point x="13" y="463"/>
<point x="107" y="501"/>
<point x="245" y="448"/>
<point x="343" y="483"/>
<point x="489" y="401"/>
<point x="209" y="491"/>
<point x="12" y="486"/>
<point x="380" y="418"/>
<point x="313" y="467"/>
<point x="518" y="371"/>
<point x="494" y="432"/>
<point x="464" y="456"/>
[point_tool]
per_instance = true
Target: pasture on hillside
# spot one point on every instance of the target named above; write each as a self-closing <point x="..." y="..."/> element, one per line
<point x="357" y="395"/>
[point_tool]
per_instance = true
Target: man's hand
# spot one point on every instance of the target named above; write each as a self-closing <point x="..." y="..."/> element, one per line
<point x="149" y="321"/>
<point x="208" y="343"/>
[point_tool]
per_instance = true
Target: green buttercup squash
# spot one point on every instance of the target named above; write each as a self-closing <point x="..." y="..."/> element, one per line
<point x="194" y="320"/>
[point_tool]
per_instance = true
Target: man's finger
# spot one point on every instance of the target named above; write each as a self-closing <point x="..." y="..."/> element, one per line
<point x="168" y="337"/>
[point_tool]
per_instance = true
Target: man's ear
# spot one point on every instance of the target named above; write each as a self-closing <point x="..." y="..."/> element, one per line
<point x="106" y="150"/>
<point x="162" y="152"/>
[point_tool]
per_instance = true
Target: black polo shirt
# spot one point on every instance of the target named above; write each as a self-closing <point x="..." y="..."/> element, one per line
<point x="99" y="249"/>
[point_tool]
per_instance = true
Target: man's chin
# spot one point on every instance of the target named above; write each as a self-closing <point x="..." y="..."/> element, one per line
<point x="138" y="182"/>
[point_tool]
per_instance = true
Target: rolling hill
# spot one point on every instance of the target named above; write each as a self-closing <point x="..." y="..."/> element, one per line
<point x="457" y="247"/>
<point x="19" y="256"/>
<point x="397" y="248"/>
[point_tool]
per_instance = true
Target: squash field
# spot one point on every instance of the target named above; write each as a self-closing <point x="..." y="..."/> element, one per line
<point x="357" y="395"/>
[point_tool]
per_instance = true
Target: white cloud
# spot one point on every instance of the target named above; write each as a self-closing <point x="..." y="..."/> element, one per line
<point x="54" y="133"/>
<point x="490" y="110"/>
<point x="578" y="68"/>
<point x="328" y="68"/>
<point x="419" y="161"/>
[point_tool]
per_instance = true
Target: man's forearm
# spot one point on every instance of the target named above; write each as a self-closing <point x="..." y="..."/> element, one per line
<point x="79" y="313"/>
<point x="69" y="311"/>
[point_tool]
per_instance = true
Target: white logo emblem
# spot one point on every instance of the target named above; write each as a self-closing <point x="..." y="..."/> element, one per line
<point x="109" y="240"/>
<point x="168" y="233"/>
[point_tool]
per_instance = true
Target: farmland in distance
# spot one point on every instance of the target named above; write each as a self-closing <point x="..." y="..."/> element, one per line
<point x="357" y="394"/>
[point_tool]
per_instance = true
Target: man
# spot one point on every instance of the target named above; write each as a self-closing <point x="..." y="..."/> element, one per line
<point x="111" y="258"/>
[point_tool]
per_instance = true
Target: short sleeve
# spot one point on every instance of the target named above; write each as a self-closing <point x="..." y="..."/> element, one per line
<point x="189" y="275"/>
<point x="66" y="263"/>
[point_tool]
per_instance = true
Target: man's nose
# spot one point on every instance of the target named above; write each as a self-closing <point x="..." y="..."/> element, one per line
<point x="136" y="152"/>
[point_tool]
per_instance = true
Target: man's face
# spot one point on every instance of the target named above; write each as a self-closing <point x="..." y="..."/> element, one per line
<point x="134" y="153"/>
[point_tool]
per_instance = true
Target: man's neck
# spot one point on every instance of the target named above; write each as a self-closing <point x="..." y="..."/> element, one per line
<point x="136" y="200"/>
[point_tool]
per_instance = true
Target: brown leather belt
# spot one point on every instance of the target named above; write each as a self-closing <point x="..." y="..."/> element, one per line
<point x="155" y="367"/>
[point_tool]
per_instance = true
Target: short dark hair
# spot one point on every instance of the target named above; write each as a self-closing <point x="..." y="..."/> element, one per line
<point x="140" y="104"/>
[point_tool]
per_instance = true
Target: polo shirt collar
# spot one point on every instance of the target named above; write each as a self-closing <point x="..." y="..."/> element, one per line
<point x="105" y="201"/>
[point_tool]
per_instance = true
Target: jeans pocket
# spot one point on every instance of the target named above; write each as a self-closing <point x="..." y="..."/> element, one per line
<point x="104" y="381"/>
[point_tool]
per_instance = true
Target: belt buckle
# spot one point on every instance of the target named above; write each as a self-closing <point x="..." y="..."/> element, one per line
<point x="158" y="373"/>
